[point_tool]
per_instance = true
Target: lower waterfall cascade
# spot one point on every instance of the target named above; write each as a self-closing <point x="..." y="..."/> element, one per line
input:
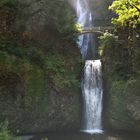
<point x="92" y="91"/>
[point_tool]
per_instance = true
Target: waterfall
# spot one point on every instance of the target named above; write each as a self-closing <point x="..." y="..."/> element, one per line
<point x="85" y="18"/>
<point x="92" y="92"/>
<point x="92" y="89"/>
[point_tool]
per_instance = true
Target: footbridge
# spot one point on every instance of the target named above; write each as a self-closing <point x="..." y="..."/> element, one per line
<point x="96" y="29"/>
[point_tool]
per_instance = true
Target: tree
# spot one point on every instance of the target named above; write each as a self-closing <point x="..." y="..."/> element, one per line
<point x="128" y="12"/>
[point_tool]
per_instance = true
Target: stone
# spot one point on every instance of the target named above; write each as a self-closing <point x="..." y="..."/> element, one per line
<point x="133" y="107"/>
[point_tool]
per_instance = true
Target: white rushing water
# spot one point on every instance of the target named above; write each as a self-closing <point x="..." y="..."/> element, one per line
<point x="84" y="19"/>
<point x="92" y="89"/>
<point x="93" y="92"/>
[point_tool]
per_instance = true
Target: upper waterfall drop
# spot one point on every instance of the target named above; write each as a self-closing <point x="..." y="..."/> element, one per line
<point x="82" y="15"/>
<point x="86" y="42"/>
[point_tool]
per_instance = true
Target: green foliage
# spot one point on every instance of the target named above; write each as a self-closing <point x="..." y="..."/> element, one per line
<point x="57" y="16"/>
<point x="115" y="55"/>
<point x="5" y="134"/>
<point x="128" y="12"/>
<point x="29" y="53"/>
<point x="78" y="27"/>
<point x="55" y="63"/>
<point x="59" y="69"/>
<point x="117" y="104"/>
<point x="64" y="20"/>
<point x="35" y="85"/>
<point x="106" y="40"/>
<point x="36" y="70"/>
<point x="136" y="60"/>
<point x="133" y="85"/>
<point x="36" y="82"/>
<point x="119" y="87"/>
<point x="44" y="139"/>
<point x="63" y="81"/>
<point x="9" y="3"/>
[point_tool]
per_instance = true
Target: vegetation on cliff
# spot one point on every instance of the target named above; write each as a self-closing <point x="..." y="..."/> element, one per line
<point x="128" y="12"/>
<point x="120" y="55"/>
<point x="39" y="65"/>
<point x="5" y="133"/>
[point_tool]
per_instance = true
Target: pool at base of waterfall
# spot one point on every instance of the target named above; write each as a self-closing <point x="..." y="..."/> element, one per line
<point x="115" y="135"/>
<point x="93" y="131"/>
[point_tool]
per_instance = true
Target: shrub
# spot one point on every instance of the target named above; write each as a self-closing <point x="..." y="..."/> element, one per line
<point x="9" y="3"/>
<point x="5" y="134"/>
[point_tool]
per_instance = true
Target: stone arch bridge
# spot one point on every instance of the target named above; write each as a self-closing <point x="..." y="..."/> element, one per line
<point x="96" y="29"/>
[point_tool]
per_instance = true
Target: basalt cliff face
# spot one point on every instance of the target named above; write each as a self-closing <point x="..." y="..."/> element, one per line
<point x="40" y="66"/>
<point x="121" y="84"/>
